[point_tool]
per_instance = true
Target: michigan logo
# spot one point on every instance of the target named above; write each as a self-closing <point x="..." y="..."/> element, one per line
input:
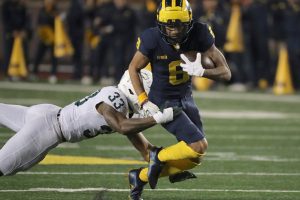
<point x="162" y="57"/>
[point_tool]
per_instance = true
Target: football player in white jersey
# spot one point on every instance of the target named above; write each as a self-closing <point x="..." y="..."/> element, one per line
<point x="42" y="127"/>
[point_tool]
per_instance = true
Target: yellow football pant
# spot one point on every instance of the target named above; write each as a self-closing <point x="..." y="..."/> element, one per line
<point x="172" y="167"/>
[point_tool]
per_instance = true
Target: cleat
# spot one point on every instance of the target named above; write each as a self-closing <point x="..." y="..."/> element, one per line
<point x="155" y="167"/>
<point x="136" y="184"/>
<point x="181" y="176"/>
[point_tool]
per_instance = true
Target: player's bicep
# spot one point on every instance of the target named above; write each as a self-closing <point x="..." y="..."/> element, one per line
<point x="111" y="116"/>
<point x="221" y="70"/>
<point x="216" y="56"/>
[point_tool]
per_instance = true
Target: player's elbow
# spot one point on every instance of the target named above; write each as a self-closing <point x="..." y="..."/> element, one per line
<point x="124" y="130"/>
<point x="226" y="75"/>
<point x="132" y="68"/>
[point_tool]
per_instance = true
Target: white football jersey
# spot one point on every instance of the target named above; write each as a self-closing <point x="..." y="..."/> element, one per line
<point x="80" y="119"/>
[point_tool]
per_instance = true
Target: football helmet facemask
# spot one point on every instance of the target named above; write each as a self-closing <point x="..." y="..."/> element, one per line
<point x="174" y="20"/>
<point x="126" y="87"/>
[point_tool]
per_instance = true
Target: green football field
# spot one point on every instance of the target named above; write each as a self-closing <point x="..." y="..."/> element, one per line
<point x="254" y="152"/>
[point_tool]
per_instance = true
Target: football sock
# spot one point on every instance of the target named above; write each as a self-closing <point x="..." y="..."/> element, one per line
<point x="172" y="167"/>
<point x="144" y="174"/>
<point x="177" y="152"/>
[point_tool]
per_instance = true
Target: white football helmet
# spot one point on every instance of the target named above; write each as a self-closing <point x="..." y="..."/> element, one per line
<point x="126" y="87"/>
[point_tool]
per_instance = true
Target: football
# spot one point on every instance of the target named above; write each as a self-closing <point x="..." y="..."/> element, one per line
<point x="206" y="62"/>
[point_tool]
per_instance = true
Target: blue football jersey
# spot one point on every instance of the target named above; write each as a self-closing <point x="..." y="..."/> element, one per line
<point x="169" y="80"/>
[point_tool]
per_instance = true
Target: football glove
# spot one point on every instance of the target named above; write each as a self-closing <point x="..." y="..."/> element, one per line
<point x="149" y="108"/>
<point x="167" y="115"/>
<point x="192" y="68"/>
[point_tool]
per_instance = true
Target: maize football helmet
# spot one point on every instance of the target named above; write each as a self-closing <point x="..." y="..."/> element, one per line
<point x="174" y="14"/>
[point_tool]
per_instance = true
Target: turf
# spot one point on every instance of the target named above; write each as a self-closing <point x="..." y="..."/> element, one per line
<point x="253" y="158"/>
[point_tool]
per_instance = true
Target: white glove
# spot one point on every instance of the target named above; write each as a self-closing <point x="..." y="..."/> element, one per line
<point x="149" y="109"/>
<point x="192" y="68"/>
<point x="164" y="117"/>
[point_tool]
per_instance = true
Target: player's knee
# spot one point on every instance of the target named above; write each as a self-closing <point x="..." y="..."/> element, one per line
<point x="200" y="146"/>
<point x="196" y="161"/>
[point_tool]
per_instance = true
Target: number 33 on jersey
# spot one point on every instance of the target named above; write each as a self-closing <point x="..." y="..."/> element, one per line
<point x="81" y="119"/>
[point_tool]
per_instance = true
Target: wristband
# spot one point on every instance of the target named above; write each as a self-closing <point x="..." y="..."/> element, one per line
<point x="142" y="98"/>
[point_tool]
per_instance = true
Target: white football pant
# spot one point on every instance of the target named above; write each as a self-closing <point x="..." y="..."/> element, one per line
<point x="37" y="132"/>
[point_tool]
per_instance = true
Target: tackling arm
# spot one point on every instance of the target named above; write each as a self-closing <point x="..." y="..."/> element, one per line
<point x="140" y="142"/>
<point x="118" y="121"/>
<point x="221" y="71"/>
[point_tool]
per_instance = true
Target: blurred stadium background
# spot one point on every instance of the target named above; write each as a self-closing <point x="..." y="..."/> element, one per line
<point x="94" y="40"/>
<point x="252" y="123"/>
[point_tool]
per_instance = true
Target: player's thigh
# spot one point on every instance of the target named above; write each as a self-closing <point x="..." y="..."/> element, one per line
<point x="187" y="126"/>
<point x="40" y="110"/>
<point x="12" y="116"/>
<point x="192" y="111"/>
<point x="184" y="129"/>
<point x="28" y="146"/>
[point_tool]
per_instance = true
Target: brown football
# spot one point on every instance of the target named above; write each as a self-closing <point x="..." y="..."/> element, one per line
<point x="206" y="62"/>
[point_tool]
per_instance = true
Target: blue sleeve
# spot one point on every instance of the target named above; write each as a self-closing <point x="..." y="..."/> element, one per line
<point x="146" y="43"/>
<point x="206" y="37"/>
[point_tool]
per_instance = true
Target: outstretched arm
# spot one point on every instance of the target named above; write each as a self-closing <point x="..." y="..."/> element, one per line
<point x="118" y="121"/>
<point x="140" y="142"/>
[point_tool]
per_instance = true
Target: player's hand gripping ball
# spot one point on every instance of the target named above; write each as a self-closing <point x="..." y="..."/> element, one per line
<point x="206" y="61"/>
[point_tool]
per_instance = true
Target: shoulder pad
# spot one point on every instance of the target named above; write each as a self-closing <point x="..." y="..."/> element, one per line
<point x="115" y="98"/>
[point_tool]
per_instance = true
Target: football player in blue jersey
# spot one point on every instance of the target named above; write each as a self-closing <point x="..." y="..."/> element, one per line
<point x="164" y="47"/>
